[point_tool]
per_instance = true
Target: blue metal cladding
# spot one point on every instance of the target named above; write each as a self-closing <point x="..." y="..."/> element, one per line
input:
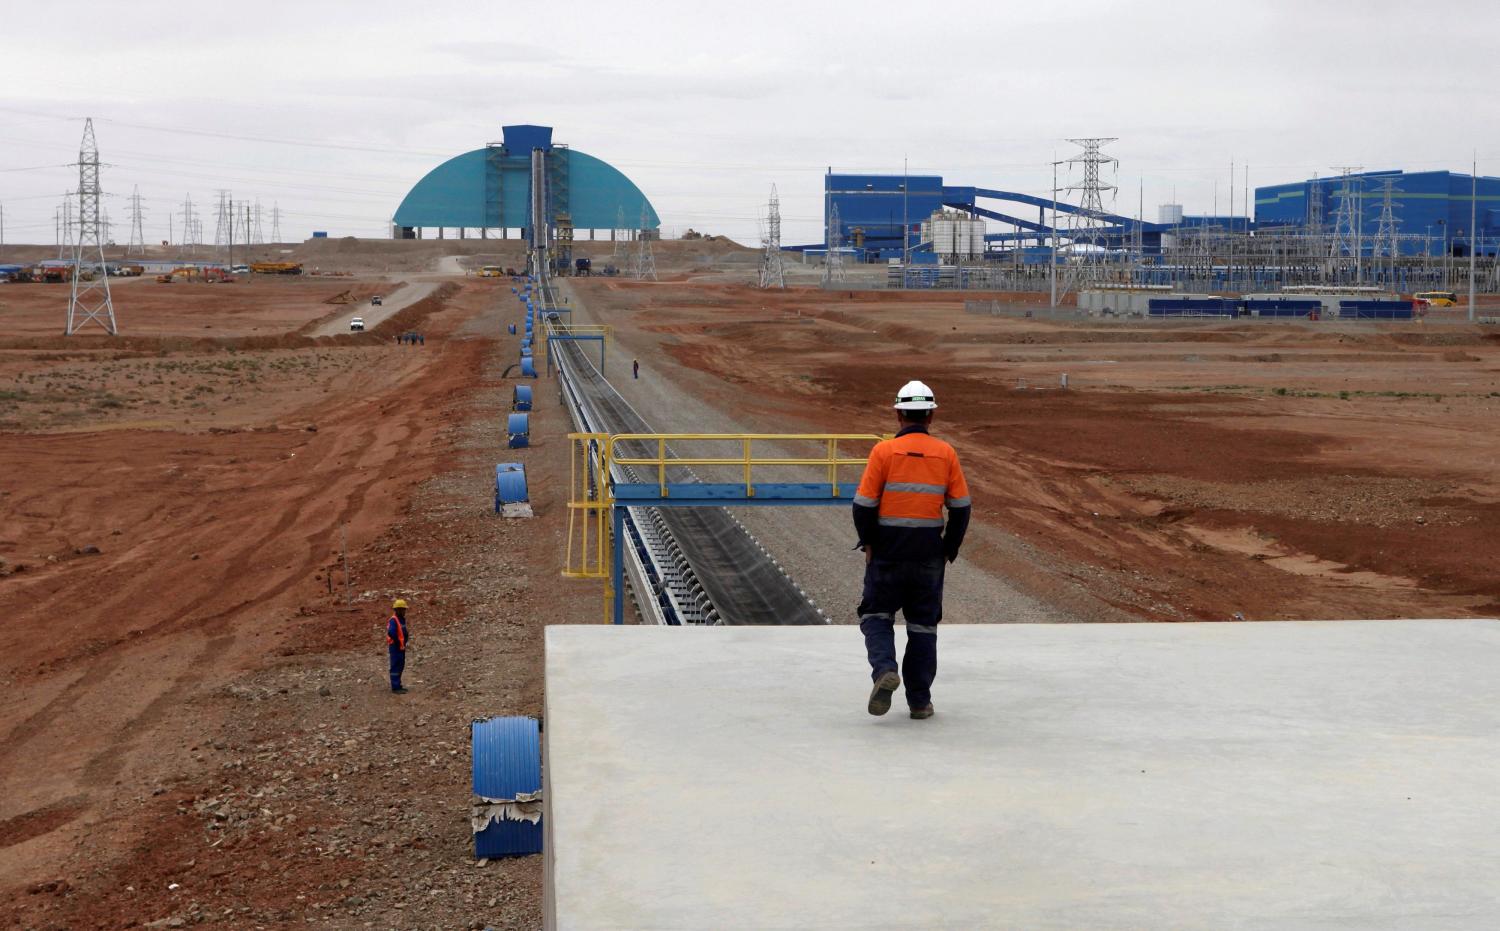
<point x="877" y="204"/>
<point x="1432" y="208"/>
<point x="461" y="191"/>
<point x="507" y="754"/>
<point x="1283" y="307"/>
<point x="1375" y="310"/>
<point x="518" y="430"/>
<point x="528" y="367"/>
<point x="510" y="484"/>
<point x="1191" y="307"/>
<point x="521" y="399"/>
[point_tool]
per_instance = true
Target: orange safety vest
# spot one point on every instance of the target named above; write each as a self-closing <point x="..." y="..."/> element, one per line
<point x="910" y="478"/>
<point x="400" y="638"/>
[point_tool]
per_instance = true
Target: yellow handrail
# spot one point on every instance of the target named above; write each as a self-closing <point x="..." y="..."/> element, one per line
<point x="591" y="489"/>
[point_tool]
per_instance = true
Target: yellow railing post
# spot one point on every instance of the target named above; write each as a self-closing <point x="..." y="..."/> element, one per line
<point x="749" y="488"/>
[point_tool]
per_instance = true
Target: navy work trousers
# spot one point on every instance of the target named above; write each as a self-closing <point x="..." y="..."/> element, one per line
<point x="398" y="665"/>
<point x="915" y="588"/>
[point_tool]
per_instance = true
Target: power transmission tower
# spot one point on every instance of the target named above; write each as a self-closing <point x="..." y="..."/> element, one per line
<point x="1387" y="229"/>
<point x="275" y="222"/>
<point x="645" y="261"/>
<point x="189" y="242"/>
<point x="65" y="228"/>
<point x="620" y="235"/>
<point x="1084" y="225"/>
<point x="1347" y="220"/>
<point x="224" y="229"/>
<point x="772" y="272"/>
<point x="257" y="237"/>
<point x="137" y="244"/>
<point x="90" y="299"/>
<point x="833" y="264"/>
<point x="245" y="226"/>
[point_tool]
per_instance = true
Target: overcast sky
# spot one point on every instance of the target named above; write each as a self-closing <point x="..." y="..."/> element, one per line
<point x="333" y="110"/>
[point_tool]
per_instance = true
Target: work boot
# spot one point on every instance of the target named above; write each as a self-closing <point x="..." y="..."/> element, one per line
<point x="398" y="691"/>
<point x="885" y="687"/>
<point x="923" y="713"/>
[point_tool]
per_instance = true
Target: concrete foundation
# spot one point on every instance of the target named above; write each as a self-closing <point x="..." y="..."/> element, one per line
<point x="1268" y="776"/>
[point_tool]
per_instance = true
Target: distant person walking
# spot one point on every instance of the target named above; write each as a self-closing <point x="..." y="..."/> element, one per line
<point x="635" y="368"/>
<point x="397" y="639"/>
<point x="898" y="514"/>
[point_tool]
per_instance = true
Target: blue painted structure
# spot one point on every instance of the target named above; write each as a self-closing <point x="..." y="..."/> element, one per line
<point x="510" y="484"/>
<point x="699" y="494"/>
<point x="1375" y="310"/>
<point x="521" y="399"/>
<point x="1191" y="307"/>
<point x="518" y="431"/>
<point x="1282" y="307"/>
<point x="528" y="367"/>
<point x="507" y="761"/>
<point x="872" y="209"/>
<point x="490" y="188"/>
<point x="1433" y="206"/>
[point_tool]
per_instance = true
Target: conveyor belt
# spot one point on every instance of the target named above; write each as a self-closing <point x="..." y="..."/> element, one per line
<point x="739" y="578"/>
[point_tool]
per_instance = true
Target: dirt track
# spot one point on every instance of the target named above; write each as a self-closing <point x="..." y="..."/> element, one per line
<point x="165" y="722"/>
<point x="1190" y="473"/>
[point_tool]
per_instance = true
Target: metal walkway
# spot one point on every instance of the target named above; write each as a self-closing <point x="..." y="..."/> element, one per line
<point x="741" y="582"/>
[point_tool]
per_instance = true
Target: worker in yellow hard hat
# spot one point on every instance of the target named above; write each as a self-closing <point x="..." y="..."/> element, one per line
<point x="396" y="639"/>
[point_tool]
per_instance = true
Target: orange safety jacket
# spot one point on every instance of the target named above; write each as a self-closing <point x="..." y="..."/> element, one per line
<point x="898" y="509"/>
<point x="395" y="632"/>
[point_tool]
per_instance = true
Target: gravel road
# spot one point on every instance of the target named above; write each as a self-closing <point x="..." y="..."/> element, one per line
<point x="813" y="544"/>
<point x="398" y="300"/>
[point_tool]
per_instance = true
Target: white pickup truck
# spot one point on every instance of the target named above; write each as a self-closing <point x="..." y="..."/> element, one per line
<point x="356" y="325"/>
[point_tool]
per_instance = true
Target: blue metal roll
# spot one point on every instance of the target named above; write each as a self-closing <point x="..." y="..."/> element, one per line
<point x="518" y="431"/>
<point x="528" y="367"/>
<point x="521" y="400"/>
<point x="510" y="484"/>
<point x="507" y="754"/>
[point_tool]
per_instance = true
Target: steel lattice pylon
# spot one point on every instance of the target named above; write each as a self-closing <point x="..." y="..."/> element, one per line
<point x="1347" y="222"/>
<point x="833" y="264"/>
<point x="645" y="260"/>
<point x="137" y="230"/>
<point x="1083" y="225"/>
<point x="772" y="272"/>
<point x="90" y="299"/>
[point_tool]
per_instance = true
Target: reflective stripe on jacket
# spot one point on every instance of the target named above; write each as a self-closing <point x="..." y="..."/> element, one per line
<point x="395" y="632"/>
<point x="907" y="482"/>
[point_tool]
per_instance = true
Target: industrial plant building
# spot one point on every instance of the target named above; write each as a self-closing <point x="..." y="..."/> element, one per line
<point x="487" y="193"/>
<point x="865" y="214"/>
<point x="1426" y="213"/>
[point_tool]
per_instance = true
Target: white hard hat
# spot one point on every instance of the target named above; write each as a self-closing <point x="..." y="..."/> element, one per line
<point x="915" y="396"/>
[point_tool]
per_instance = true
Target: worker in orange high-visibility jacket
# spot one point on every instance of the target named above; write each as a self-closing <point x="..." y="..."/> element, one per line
<point x="397" y="639"/>
<point x="898" y="513"/>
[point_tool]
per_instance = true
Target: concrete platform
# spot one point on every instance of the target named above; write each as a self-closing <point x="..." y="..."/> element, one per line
<point x="1247" y="776"/>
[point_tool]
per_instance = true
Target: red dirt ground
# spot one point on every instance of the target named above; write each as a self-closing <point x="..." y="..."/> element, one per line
<point x="175" y="576"/>
<point x="1191" y="471"/>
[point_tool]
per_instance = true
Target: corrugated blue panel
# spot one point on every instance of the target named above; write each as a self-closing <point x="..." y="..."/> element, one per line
<point x="507" y="763"/>
<point x="518" y="431"/>
<point x="510" y="484"/>
<point x="1167" y="307"/>
<point x="528" y="368"/>
<point x="521" y="401"/>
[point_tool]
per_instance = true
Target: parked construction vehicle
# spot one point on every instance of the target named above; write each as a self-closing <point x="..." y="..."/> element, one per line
<point x="276" y="268"/>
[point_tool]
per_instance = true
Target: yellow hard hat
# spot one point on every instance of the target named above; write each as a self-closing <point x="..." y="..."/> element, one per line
<point x="400" y="603"/>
